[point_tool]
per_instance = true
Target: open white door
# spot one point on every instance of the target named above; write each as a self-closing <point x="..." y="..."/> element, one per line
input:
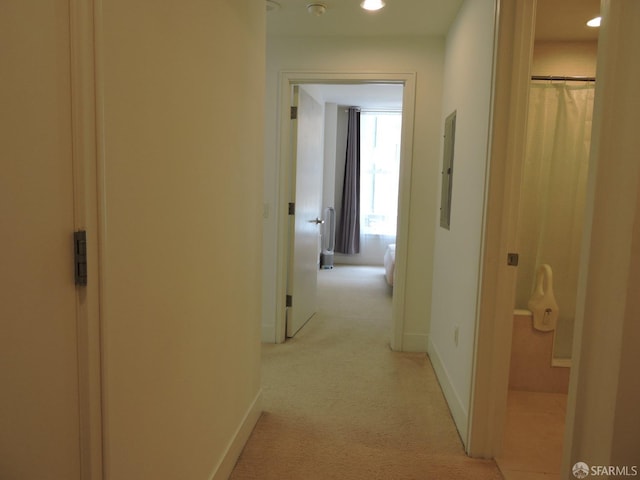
<point x="40" y="422"/>
<point x="304" y="256"/>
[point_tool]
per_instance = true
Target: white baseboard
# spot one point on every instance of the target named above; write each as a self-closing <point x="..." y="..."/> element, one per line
<point x="561" y="362"/>
<point x="458" y="411"/>
<point x="234" y="449"/>
<point x="269" y="333"/>
<point x="415" y="342"/>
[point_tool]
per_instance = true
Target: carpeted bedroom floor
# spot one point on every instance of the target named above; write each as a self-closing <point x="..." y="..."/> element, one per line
<point x="339" y="404"/>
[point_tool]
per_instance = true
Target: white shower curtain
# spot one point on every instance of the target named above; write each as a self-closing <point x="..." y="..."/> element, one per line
<point x="553" y="195"/>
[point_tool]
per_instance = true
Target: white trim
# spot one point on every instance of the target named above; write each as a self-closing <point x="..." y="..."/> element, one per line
<point x="515" y="20"/>
<point x="83" y="108"/>
<point x="561" y="362"/>
<point x="456" y="406"/>
<point x="225" y="466"/>
<point x="101" y="209"/>
<point x="603" y="386"/>
<point x="404" y="206"/>
<point x="268" y="333"/>
<point x="284" y="187"/>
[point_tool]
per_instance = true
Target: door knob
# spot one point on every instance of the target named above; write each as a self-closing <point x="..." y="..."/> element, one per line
<point x="317" y="221"/>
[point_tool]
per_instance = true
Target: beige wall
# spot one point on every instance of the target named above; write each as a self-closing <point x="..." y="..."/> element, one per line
<point x="423" y="55"/>
<point x="565" y="58"/>
<point x="468" y="85"/>
<point x="183" y="120"/>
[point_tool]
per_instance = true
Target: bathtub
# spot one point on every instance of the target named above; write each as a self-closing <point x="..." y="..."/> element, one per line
<point x="532" y="366"/>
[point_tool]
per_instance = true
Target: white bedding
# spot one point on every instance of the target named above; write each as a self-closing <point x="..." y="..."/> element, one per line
<point x="390" y="263"/>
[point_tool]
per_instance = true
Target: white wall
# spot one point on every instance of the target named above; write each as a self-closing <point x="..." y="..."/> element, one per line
<point x="467" y="80"/>
<point x="423" y="55"/>
<point x="330" y="139"/>
<point x="340" y="149"/>
<point x="329" y="170"/>
<point x="183" y="117"/>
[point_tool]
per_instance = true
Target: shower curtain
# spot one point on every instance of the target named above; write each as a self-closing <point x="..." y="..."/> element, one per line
<point x="553" y="195"/>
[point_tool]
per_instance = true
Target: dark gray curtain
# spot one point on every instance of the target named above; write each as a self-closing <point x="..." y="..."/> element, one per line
<point x="348" y="231"/>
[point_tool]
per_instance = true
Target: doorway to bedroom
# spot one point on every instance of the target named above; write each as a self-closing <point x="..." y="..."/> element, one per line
<point x="386" y="106"/>
<point x="359" y="282"/>
<point x="360" y="186"/>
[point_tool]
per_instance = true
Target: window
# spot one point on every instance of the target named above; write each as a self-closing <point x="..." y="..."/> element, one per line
<point x="380" y="134"/>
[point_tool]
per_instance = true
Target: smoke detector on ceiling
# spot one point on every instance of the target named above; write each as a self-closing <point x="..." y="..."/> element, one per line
<point x="316" y="9"/>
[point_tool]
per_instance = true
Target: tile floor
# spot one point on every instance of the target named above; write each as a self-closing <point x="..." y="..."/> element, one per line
<point x="534" y="433"/>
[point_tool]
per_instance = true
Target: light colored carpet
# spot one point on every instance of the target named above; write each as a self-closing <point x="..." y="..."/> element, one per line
<point x="339" y="404"/>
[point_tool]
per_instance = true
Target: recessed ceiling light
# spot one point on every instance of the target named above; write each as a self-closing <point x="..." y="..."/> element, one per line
<point x="594" y="22"/>
<point x="316" y="9"/>
<point x="372" y="4"/>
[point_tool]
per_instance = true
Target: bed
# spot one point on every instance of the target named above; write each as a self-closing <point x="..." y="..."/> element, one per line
<point x="390" y="263"/>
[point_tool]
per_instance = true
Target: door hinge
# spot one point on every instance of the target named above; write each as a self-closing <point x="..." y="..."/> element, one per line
<point x="292" y="208"/>
<point x="289" y="301"/>
<point x="512" y="259"/>
<point x="294" y="113"/>
<point x="80" y="257"/>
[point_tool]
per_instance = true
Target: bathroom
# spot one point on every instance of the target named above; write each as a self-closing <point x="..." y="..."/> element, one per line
<point x="549" y="238"/>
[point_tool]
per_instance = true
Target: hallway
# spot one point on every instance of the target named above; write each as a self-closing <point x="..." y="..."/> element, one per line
<point x="338" y="403"/>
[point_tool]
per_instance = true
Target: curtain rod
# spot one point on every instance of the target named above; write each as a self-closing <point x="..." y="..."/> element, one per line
<point x="565" y="79"/>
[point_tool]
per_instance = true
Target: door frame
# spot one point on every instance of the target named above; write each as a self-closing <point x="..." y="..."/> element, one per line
<point x="287" y="79"/>
<point x="513" y="53"/>
<point x="87" y="139"/>
<point x="490" y="383"/>
<point x="490" y="378"/>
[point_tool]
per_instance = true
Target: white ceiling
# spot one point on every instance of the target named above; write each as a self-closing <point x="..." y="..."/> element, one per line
<point x="346" y="18"/>
<point x="556" y="20"/>
<point x="565" y="20"/>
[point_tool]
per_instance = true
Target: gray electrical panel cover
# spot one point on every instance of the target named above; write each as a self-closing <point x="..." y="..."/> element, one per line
<point x="447" y="170"/>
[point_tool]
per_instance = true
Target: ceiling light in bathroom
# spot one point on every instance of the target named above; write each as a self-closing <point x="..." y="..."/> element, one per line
<point x="372" y="5"/>
<point x="316" y="9"/>
<point x="594" y="22"/>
